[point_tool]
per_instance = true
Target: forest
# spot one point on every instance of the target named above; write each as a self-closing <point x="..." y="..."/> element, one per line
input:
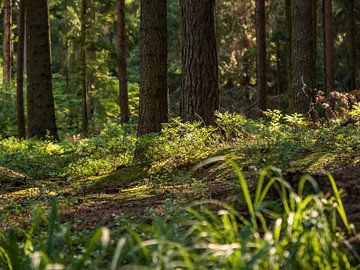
<point x="179" y="134"/>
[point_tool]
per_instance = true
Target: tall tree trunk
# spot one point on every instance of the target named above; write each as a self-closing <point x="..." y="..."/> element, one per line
<point x="7" y="43"/>
<point x="123" y="87"/>
<point x="200" y="86"/>
<point x="84" y="83"/>
<point x="20" y="72"/>
<point x="261" y="55"/>
<point x="288" y="46"/>
<point x="352" y="46"/>
<point x="303" y="55"/>
<point x="41" y="111"/>
<point x="328" y="46"/>
<point x="153" y="109"/>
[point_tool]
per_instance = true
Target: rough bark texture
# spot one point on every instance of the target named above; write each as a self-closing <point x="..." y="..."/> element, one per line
<point x="20" y="72"/>
<point x="328" y="46"/>
<point x="261" y="55"/>
<point x="200" y="86"/>
<point x="153" y="109"/>
<point x="121" y="40"/>
<point x="84" y="90"/>
<point x="7" y="43"/>
<point x="303" y="55"/>
<point x="41" y="111"/>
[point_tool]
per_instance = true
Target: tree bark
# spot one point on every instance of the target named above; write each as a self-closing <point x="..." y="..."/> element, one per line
<point x="328" y="46"/>
<point x="200" y="86"/>
<point x="303" y="55"/>
<point x="261" y="55"/>
<point x="41" y="110"/>
<point x="20" y="72"/>
<point x="289" y="46"/>
<point x="153" y="107"/>
<point x="7" y="43"/>
<point x="84" y="83"/>
<point x="123" y="87"/>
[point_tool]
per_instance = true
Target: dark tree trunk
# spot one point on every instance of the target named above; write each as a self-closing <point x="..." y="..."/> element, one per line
<point x="153" y="109"/>
<point x="200" y="86"/>
<point x="7" y="43"/>
<point x="84" y="90"/>
<point x="41" y="111"/>
<point x="289" y="46"/>
<point x="20" y="72"/>
<point x="303" y="55"/>
<point x="328" y="46"/>
<point x="352" y="47"/>
<point x="121" y="40"/>
<point x="261" y="55"/>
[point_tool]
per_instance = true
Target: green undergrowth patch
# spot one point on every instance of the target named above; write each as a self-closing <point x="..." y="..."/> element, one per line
<point x="288" y="142"/>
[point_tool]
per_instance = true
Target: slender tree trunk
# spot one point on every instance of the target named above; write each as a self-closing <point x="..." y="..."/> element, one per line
<point x="288" y="45"/>
<point x="303" y="52"/>
<point x="352" y="47"/>
<point x="153" y="109"/>
<point x="200" y="86"/>
<point x="123" y="87"/>
<point x="7" y="43"/>
<point x="20" y="72"/>
<point x="41" y="111"/>
<point x="261" y="55"/>
<point x="328" y="46"/>
<point x="84" y="92"/>
<point x="278" y="62"/>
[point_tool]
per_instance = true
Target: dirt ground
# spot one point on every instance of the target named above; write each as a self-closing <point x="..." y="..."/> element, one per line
<point x="88" y="203"/>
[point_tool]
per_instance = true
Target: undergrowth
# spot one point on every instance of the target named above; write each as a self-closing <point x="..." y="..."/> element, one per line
<point x="298" y="230"/>
<point x="277" y="139"/>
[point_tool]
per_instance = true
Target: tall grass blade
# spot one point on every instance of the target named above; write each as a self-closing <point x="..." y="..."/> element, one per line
<point x="340" y="206"/>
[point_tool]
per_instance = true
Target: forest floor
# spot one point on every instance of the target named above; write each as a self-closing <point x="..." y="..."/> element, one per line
<point x="134" y="193"/>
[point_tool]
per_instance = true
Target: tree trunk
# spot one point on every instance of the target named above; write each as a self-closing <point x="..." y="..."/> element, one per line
<point x="289" y="46"/>
<point x="7" y="43"/>
<point x="200" y="86"/>
<point x="41" y="111"/>
<point x="20" y="72"/>
<point x="352" y="47"/>
<point x="84" y="92"/>
<point x="123" y="88"/>
<point x="153" y="109"/>
<point x="328" y="46"/>
<point x="303" y="55"/>
<point x="261" y="55"/>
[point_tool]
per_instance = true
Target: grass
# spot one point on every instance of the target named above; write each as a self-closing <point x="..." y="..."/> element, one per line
<point x="298" y="231"/>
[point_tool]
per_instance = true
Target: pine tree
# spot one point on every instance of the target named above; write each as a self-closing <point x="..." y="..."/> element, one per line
<point x="200" y="86"/>
<point x="153" y="105"/>
<point x="41" y="111"/>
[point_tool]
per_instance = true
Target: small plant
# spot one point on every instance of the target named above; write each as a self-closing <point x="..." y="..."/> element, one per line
<point x="355" y="112"/>
<point x="231" y="125"/>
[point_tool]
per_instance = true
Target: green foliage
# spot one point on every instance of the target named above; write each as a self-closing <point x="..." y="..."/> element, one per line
<point x="297" y="231"/>
<point x="182" y="143"/>
<point x="231" y="125"/>
<point x="355" y="112"/>
<point x="72" y="157"/>
<point x="278" y="140"/>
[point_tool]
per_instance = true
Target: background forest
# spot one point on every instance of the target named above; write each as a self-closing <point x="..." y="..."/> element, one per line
<point x="237" y="54"/>
<point x="172" y="134"/>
